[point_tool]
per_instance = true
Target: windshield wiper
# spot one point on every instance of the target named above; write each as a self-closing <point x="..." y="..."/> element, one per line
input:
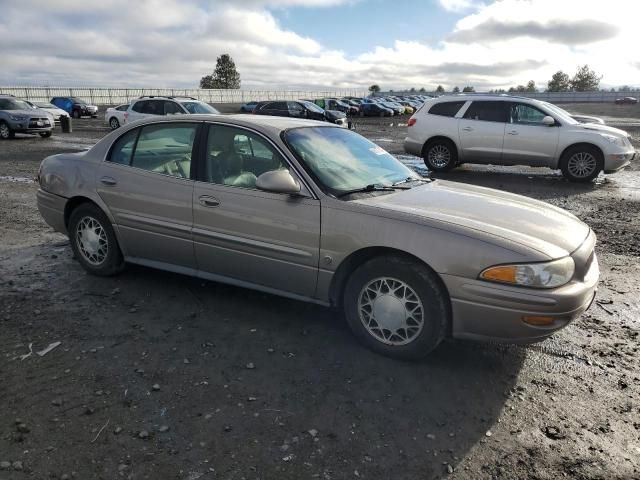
<point x="409" y="180"/>
<point x="369" y="188"/>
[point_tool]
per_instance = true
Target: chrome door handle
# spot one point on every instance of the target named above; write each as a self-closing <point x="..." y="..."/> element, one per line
<point x="207" y="201"/>
<point x="514" y="132"/>
<point x="108" y="181"/>
<point x="467" y="129"/>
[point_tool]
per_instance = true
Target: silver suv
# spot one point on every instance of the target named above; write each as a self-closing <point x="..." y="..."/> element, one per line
<point x="17" y="116"/>
<point x="145" y="107"/>
<point x="508" y="130"/>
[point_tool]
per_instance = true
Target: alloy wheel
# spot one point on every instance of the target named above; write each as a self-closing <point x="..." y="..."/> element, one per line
<point x="391" y="311"/>
<point x="4" y="131"/>
<point x="582" y="164"/>
<point x="92" y="240"/>
<point x="439" y="156"/>
<point x="113" y="123"/>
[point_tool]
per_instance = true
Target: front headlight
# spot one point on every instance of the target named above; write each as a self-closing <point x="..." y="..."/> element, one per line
<point x="613" y="139"/>
<point x="534" y="275"/>
<point x="18" y="118"/>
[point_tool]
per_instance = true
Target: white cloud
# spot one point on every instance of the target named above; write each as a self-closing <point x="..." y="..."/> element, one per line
<point x="175" y="42"/>
<point x="460" y="5"/>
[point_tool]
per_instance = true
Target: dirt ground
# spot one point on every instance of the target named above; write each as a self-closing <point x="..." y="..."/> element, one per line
<point x="160" y="376"/>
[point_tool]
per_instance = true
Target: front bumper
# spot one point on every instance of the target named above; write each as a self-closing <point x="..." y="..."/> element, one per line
<point x="617" y="161"/>
<point x="487" y="311"/>
<point x="51" y="207"/>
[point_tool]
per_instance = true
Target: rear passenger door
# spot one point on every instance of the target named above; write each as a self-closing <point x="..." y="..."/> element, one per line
<point x="481" y="131"/>
<point x="146" y="184"/>
<point x="528" y="141"/>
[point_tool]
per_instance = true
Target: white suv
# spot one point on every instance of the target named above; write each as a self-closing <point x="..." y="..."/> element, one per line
<point x="149" y="106"/>
<point x="508" y="130"/>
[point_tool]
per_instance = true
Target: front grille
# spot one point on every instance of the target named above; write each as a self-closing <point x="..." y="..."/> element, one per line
<point x="44" y="122"/>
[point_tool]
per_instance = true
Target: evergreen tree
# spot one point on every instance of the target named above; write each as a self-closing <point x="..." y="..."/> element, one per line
<point x="225" y="75"/>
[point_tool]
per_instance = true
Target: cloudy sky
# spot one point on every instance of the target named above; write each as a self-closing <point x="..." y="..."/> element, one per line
<point x="317" y="43"/>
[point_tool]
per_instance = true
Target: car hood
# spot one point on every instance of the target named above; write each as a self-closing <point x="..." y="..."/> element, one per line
<point x="603" y="129"/>
<point x="549" y="230"/>
<point x="336" y="114"/>
<point x="31" y="112"/>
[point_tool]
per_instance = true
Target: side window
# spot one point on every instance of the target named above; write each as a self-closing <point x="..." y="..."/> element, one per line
<point x="122" y="108"/>
<point x="278" y="106"/>
<point x="166" y="149"/>
<point x="171" y="108"/>
<point x="122" y="149"/>
<point x="237" y="157"/>
<point x="153" y="107"/>
<point x="488" y="111"/>
<point x="446" y="109"/>
<point x="526" y="114"/>
<point x="295" y="110"/>
<point x="139" y="106"/>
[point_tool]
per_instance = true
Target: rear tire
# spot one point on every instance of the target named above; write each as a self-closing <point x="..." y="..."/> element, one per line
<point x="440" y="155"/>
<point x="581" y="163"/>
<point x="94" y="241"/>
<point x="114" y="123"/>
<point x="5" y="131"/>
<point x="397" y="307"/>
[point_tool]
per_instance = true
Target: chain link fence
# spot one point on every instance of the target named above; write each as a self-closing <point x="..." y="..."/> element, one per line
<point x="552" y="97"/>
<point x="115" y="96"/>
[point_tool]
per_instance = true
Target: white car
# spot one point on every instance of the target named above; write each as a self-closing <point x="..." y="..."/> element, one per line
<point x="508" y="130"/>
<point x="51" y="108"/>
<point x="114" y="116"/>
<point x="145" y="107"/>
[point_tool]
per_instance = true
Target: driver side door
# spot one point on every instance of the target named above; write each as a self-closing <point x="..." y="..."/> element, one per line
<point x="244" y="235"/>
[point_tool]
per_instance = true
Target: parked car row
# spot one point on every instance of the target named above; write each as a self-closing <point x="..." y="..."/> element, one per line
<point x="509" y="130"/>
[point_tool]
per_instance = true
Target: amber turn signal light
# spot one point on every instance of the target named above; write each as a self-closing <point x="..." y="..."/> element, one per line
<point x="537" y="321"/>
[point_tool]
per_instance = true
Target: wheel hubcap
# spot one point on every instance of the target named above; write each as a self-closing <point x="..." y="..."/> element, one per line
<point x="114" y="123"/>
<point x="391" y="311"/>
<point x="581" y="164"/>
<point x="4" y="130"/>
<point x="439" y="156"/>
<point x="92" y="240"/>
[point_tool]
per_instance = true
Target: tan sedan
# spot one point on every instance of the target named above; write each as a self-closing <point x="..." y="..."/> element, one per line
<point x="318" y="213"/>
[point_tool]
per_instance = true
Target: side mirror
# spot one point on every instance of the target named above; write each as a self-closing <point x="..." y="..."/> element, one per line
<point x="549" y="121"/>
<point x="278" y="181"/>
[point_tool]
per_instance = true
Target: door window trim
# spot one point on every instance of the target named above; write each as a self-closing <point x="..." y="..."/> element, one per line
<point x="195" y="148"/>
<point x="203" y="148"/>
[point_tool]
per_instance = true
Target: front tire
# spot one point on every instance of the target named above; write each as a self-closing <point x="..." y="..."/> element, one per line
<point x="76" y="114"/>
<point x="114" y="123"/>
<point x="440" y="155"/>
<point x="581" y="163"/>
<point x="5" y="131"/>
<point x="94" y="242"/>
<point x="45" y="134"/>
<point x="397" y="307"/>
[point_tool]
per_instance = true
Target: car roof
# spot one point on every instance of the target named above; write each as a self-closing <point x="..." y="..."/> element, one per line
<point x="272" y="124"/>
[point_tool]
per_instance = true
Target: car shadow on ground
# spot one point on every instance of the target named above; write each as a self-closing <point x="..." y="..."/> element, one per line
<point x="250" y="381"/>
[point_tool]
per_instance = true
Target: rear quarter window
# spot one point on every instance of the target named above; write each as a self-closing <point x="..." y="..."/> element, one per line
<point x="446" y="109"/>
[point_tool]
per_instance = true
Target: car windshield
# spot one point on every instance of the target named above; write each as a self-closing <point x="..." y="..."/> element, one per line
<point x="562" y="113"/>
<point x="43" y="105"/>
<point x="313" y="107"/>
<point x="198" y="107"/>
<point x="79" y="101"/>
<point x="342" y="160"/>
<point x="11" y="104"/>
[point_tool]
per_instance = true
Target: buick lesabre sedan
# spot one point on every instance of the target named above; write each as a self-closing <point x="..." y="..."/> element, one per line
<point x="318" y="213"/>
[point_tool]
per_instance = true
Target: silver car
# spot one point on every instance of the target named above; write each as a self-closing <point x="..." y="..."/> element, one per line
<point x="318" y="213"/>
<point x="508" y="130"/>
